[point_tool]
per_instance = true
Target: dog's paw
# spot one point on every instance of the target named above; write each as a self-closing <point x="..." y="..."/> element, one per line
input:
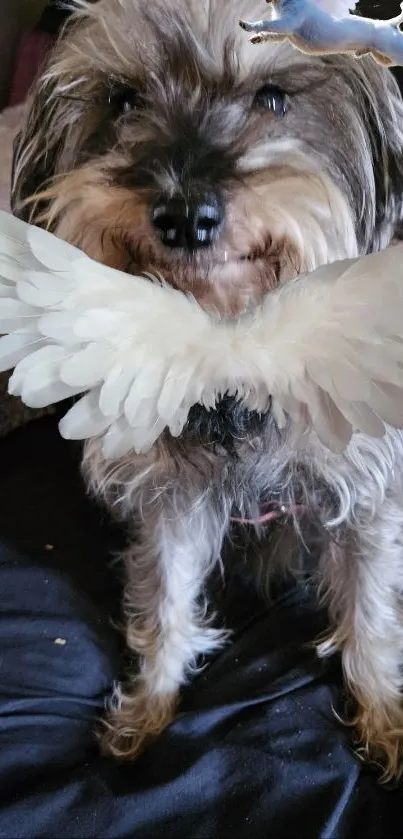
<point x="259" y="38"/>
<point x="247" y="25"/>
<point x="379" y="738"/>
<point x="266" y="38"/>
<point x="381" y="59"/>
<point x="133" y="720"/>
<point x="123" y="742"/>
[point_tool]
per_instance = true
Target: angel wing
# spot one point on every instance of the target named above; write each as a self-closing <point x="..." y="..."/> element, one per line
<point x="326" y="350"/>
<point x="342" y="365"/>
<point x="71" y="325"/>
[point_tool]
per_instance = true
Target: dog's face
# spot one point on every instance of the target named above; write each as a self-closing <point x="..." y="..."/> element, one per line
<point x="182" y="150"/>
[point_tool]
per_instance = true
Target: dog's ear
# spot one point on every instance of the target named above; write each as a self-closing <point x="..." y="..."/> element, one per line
<point x="54" y="130"/>
<point x="389" y="185"/>
<point x="387" y="148"/>
<point x="35" y="150"/>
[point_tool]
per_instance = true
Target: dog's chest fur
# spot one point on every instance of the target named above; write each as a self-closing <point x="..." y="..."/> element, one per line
<point x="260" y="467"/>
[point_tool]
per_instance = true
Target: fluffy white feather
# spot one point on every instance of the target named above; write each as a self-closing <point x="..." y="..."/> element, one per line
<point x="327" y="349"/>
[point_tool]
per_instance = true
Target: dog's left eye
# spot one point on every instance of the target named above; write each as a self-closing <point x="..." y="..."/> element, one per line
<point x="124" y="100"/>
<point x="271" y="99"/>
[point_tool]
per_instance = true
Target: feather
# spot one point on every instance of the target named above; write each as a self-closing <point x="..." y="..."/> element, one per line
<point x="99" y="323"/>
<point x="145" y="389"/>
<point x="45" y="281"/>
<point x="10" y="272"/>
<point x="57" y="258"/>
<point x="387" y="402"/>
<point x="145" y="436"/>
<point x="324" y="351"/>
<point x="342" y="380"/>
<point x="38" y="297"/>
<point x="84" y="419"/>
<point x="115" y="389"/>
<point x="15" y="314"/>
<point x="14" y="347"/>
<point x="16" y="254"/>
<point x="362" y="417"/>
<point x="174" y="390"/>
<point x="88" y="367"/>
<point x="36" y="379"/>
<point x="118" y="439"/>
<point x="59" y="326"/>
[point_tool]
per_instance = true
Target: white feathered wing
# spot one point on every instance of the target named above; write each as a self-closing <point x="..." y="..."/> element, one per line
<point x="326" y="350"/>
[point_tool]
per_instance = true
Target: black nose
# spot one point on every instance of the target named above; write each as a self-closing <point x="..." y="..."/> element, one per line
<point x="190" y="224"/>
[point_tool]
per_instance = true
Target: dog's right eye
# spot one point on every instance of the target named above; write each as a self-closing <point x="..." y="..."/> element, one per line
<point x="271" y="98"/>
<point x="125" y="100"/>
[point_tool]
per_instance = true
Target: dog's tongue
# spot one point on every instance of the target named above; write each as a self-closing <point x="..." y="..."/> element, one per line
<point x="337" y="8"/>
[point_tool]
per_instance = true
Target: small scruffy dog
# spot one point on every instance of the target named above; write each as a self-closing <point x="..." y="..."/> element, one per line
<point x="160" y="140"/>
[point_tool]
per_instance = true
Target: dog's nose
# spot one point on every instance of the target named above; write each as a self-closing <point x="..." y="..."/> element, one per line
<point x="190" y="224"/>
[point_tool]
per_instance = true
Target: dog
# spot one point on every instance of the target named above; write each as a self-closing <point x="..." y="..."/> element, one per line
<point x="160" y="140"/>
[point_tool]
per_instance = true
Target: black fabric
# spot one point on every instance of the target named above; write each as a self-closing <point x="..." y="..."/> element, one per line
<point x="256" y="750"/>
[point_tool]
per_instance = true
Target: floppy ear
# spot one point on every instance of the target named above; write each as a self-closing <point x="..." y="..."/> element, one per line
<point x="54" y="132"/>
<point x="34" y="156"/>
<point x="386" y="122"/>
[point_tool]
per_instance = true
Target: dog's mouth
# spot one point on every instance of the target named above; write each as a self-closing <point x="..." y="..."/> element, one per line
<point x="258" y="252"/>
<point x="254" y="256"/>
<point x="260" y="260"/>
<point x="222" y="277"/>
<point x="201" y="262"/>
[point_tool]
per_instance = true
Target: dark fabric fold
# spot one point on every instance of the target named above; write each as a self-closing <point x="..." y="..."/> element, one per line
<point x="256" y="750"/>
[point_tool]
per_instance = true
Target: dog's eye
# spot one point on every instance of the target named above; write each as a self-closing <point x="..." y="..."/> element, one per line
<point x="124" y="100"/>
<point x="271" y="99"/>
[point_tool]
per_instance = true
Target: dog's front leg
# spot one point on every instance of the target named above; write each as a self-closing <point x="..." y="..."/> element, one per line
<point x="364" y="583"/>
<point x="166" y="626"/>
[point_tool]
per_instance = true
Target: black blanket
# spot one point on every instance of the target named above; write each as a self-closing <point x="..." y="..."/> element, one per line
<point x="256" y="750"/>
